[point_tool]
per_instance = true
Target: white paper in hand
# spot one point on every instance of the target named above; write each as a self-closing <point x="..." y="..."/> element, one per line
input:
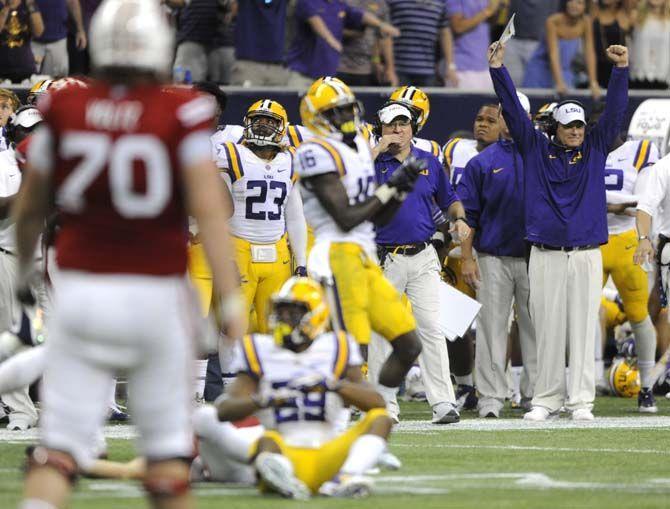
<point x="509" y="31"/>
<point x="457" y="311"/>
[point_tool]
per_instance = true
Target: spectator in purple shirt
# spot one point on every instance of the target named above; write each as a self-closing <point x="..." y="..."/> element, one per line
<point x="50" y="49"/>
<point x="317" y="45"/>
<point x="467" y="19"/>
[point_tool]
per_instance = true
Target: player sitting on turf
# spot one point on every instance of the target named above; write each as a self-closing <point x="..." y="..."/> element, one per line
<point x="297" y="381"/>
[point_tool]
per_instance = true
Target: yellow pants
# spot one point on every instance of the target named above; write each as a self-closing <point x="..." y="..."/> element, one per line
<point x="629" y="279"/>
<point x="201" y="276"/>
<point x="316" y="466"/>
<point x="368" y="301"/>
<point x="258" y="281"/>
<point x="455" y="265"/>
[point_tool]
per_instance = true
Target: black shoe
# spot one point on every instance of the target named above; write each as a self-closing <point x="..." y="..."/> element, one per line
<point x="466" y="397"/>
<point x="646" y="403"/>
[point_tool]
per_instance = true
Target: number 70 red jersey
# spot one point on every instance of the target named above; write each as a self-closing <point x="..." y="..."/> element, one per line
<point x="116" y="154"/>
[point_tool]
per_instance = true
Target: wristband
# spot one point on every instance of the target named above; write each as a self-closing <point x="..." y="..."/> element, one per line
<point x="461" y="219"/>
<point x="643" y="237"/>
<point x="439" y="236"/>
<point x="384" y="193"/>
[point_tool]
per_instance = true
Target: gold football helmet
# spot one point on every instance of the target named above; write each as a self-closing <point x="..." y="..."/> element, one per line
<point x="329" y="108"/>
<point x="417" y="100"/>
<point x="264" y="132"/>
<point x="299" y="312"/>
<point x="624" y="378"/>
<point x="38" y="89"/>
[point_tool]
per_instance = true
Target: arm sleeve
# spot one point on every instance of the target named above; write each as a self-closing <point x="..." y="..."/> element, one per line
<point x="296" y="227"/>
<point x="656" y="188"/>
<point x="520" y="126"/>
<point x="468" y="190"/>
<point x="444" y="192"/>
<point x="355" y="358"/>
<point x="611" y="121"/>
<point x="196" y="117"/>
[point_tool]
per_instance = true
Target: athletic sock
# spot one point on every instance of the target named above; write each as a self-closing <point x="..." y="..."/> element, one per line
<point x="645" y="346"/>
<point x="200" y="368"/>
<point x="363" y="454"/>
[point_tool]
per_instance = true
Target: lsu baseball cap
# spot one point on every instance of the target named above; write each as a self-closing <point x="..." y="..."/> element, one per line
<point x="27" y="117"/>
<point x="569" y="112"/>
<point x="389" y="113"/>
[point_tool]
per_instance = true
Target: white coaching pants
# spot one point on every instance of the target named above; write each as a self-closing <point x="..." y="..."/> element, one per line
<point x="418" y="276"/>
<point x="143" y="326"/>
<point x="504" y="279"/>
<point x="565" y="293"/>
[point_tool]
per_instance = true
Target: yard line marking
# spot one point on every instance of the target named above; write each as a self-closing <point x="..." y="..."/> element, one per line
<point x="535" y="448"/>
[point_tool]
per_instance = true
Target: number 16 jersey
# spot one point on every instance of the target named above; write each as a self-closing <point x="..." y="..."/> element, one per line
<point x="356" y="170"/>
<point x="259" y="189"/>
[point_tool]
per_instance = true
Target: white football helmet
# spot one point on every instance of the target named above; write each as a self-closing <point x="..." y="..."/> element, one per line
<point x="131" y="34"/>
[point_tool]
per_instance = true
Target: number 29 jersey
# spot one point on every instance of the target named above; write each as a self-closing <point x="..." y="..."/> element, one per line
<point x="259" y="189"/>
<point x="116" y="156"/>
<point x="356" y="170"/>
<point x="310" y="420"/>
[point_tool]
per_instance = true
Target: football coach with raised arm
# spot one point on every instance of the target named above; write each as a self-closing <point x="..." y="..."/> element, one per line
<point x="566" y="222"/>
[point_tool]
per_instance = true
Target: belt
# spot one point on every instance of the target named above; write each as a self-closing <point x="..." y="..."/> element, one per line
<point x="406" y="249"/>
<point x="3" y="250"/>
<point x="567" y="249"/>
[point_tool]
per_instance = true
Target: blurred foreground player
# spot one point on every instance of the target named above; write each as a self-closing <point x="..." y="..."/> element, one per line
<point x="124" y="160"/>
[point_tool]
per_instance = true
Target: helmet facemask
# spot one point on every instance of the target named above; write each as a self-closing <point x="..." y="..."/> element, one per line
<point x="291" y="326"/>
<point x="345" y="120"/>
<point x="264" y="129"/>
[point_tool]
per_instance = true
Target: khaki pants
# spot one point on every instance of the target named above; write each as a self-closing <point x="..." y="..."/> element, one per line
<point x="564" y="300"/>
<point x="504" y="279"/>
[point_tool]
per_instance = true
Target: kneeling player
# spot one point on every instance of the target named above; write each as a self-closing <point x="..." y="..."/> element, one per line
<point x="297" y="381"/>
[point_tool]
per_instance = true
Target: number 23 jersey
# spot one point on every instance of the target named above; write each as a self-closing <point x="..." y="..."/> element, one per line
<point x="259" y="189"/>
<point x="309" y="421"/>
<point x="356" y="170"/>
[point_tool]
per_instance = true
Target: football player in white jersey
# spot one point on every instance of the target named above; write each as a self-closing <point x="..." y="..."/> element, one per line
<point x="267" y="205"/>
<point x="342" y="200"/>
<point x="624" y="183"/>
<point x="297" y="381"/>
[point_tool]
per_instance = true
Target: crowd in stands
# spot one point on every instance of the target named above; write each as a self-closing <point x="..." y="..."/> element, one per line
<point x="559" y="44"/>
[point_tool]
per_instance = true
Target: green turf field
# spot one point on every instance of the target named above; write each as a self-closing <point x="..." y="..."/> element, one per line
<point x="622" y="458"/>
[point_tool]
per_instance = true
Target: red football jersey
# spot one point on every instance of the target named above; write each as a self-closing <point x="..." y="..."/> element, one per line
<point x="116" y="154"/>
<point x="21" y="152"/>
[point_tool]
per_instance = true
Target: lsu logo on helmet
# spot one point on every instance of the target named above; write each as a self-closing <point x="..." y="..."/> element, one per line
<point x="624" y="378"/>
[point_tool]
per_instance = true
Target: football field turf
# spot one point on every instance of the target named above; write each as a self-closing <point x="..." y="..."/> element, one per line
<point x="621" y="458"/>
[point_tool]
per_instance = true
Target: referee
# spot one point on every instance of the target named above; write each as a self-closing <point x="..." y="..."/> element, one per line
<point x="566" y="222"/>
<point x="408" y="258"/>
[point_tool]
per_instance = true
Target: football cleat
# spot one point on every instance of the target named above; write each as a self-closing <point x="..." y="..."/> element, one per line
<point x="466" y="397"/>
<point x="646" y="403"/>
<point x="276" y="471"/>
<point x="116" y="414"/>
<point x="445" y="413"/>
<point x="389" y="461"/>
<point x="414" y="388"/>
<point x="347" y="486"/>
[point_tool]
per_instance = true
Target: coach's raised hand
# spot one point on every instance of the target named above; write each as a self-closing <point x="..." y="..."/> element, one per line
<point x="618" y="55"/>
<point x="496" y="54"/>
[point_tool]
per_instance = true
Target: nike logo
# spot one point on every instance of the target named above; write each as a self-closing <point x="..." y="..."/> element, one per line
<point x="552" y="157"/>
<point x="423" y="172"/>
<point x="631" y="246"/>
<point x="280" y="171"/>
<point x="384" y="170"/>
<point x="285" y="262"/>
<point x="498" y="170"/>
<point x="621" y="159"/>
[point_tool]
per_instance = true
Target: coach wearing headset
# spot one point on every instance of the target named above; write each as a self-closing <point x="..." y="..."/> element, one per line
<point x="566" y="222"/>
<point x="408" y="258"/>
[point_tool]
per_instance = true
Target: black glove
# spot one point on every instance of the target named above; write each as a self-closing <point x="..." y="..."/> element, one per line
<point x="405" y="176"/>
<point x="300" y="271"/>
